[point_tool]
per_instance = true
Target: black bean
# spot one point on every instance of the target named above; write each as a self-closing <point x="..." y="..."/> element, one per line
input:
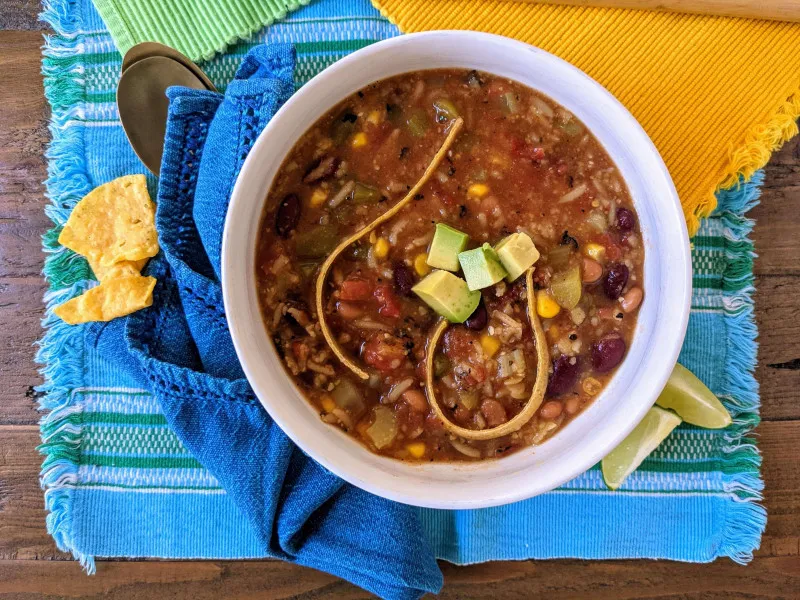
<point x="615" y="280"/>
<point x="287" y="215"/>
<point x="403" y="278"/>
<point x="478" y="319"/>
<point x="607" y="353"/>
<point x="568" y="240"/>
<point x="626" y="221"/>
<point x="565" y="374"/>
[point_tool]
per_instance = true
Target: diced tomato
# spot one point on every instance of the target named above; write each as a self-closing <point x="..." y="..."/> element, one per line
<point x="522" y="149"/>
<point x="613" y="251"/>
<point x="458" y="343"/>
<point x="300" y="350"/>
<point x="433" y="424"/>
<point x="384" y="352"/>
<point x="355" y="289"/>
<point x="388" y="304"/>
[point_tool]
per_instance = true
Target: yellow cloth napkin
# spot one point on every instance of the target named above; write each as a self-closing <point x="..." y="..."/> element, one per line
<point x="716" y="95"/>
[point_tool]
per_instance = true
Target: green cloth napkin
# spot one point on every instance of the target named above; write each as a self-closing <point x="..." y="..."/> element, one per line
<point x="198" y="28"/>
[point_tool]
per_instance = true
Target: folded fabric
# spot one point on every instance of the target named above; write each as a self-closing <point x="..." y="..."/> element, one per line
<point x="181" y="350"/>
<point x="198" y="28"/>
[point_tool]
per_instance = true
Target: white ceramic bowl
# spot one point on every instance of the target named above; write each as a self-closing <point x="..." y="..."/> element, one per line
<point x="662" y="318"/>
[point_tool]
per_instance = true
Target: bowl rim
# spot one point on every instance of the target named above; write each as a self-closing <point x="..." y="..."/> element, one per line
<point x="235" y="295"/>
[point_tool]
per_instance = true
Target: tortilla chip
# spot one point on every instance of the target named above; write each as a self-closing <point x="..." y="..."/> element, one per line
<point x="110" y="299"/>
<point x="126" y="267"/>
<point x="113" y="223"/>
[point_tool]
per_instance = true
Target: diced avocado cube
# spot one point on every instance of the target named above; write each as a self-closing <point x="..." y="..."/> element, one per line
<point x="448" y="295"/>
<point x="447" y="243"/>
<point x="517" y="253"/>
<point x="481" y="267"/>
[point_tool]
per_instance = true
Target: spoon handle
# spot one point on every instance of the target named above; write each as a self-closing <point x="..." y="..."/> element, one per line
<point x="775" y="10"/>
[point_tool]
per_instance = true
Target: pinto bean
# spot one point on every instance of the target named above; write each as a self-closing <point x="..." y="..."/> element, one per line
<point x="493" y="412"/>
<point x="632" y="299"/>
<point x="551" y="410"/>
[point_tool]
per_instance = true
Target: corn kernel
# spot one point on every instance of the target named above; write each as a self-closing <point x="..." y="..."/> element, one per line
<point x="477" y="190"/>
<point x="374" y="117"/>
<point x="359" y="140"/>
<point x="490" y="345"/>
<point x="553" y="333"/>
<point x="498" y="160"/>
<point x="327" y="403"/>
<point x="546" y="307"/>
<point x="592" y="386"/>
<point x="421" y="264"/>
<point x="373" y="237"/>
<point x="594" y="251"/>
<point x="318" y="197"/>
<point x="416" y="449"/>
<point x="381" y="248"/>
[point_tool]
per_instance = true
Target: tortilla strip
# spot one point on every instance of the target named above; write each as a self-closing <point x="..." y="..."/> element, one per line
<point x="539" y="386"/>
<point x="323" y="272"/>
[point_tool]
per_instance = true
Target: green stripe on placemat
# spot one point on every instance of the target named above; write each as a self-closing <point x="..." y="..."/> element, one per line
<point x="214" y="25"/>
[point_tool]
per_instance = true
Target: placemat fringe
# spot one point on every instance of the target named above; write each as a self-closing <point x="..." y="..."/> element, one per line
<point x="747" y="519"/>
<point x="61" y="350"/>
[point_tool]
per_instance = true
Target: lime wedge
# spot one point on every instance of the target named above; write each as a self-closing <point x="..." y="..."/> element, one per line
<point x="646" y="436"/>
<point x="693" y="401"/>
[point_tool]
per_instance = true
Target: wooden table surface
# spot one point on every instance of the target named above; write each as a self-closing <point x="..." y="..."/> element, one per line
<point x="32" y="567"/>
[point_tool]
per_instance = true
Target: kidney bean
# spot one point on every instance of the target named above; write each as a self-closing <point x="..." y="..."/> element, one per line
<point x="493" y="412"/>
<point x="626" y="221"/>
<point x="615" y="280"/>
<point x="287" y="215"/>
<point x="403" y="278"/>
<point x="478" y="319"/>
<point x="564" y="376"/>
<point x="550" y="410"/>
<point x="592" y="270"/>
<point x="632" y="299"/>
<point x="607" y="353"/>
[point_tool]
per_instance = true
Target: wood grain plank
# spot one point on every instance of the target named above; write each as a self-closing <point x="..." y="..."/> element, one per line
<point x="21" y="15"/>
<point x="23" y="535"/>
<point x="777" y="309"/>
<point x="765" y="578"/>
<point x="21" y="310"/>
<point x="23" y="138"/>
<point x="777" y="216"/>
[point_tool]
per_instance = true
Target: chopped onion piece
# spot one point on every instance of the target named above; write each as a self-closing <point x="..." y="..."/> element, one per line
<point x="398" y="390"/>
<point x="542" y="108"/>
<point x="573" y="194"/>
<point x="342" y="194"/>
<point x="465" y="449"/>
<point x="384" y="429"/>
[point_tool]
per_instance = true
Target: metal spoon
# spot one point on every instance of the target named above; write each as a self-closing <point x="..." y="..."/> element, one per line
<point x="143" y="104"/>
<point x="149" y="49"/>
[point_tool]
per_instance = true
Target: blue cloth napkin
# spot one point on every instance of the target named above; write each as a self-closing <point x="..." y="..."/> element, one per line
<point x="181" y="350"/>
